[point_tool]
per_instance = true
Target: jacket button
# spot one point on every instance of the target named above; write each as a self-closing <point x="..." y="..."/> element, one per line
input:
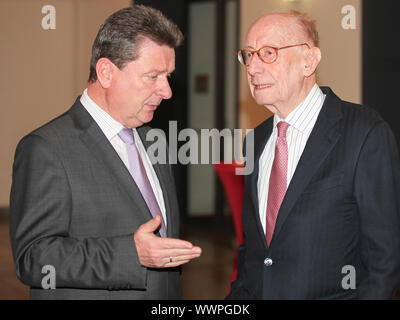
<point x="268" y="262"/>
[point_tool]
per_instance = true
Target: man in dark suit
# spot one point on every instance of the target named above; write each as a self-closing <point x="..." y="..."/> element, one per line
<point x="321" y="208"/>
<point x="86" y="201"/>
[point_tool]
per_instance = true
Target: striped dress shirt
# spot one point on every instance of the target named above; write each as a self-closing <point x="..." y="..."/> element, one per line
<point x="110" y="128"/>
<point x="302" y="120"/>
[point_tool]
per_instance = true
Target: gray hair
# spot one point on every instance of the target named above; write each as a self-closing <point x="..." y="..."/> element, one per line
<point x="120" y="35"/>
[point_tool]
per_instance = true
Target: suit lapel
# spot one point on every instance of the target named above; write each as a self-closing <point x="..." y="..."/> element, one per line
<point x="260" y="140"/>
<point x="102" y="150"/>
<point x="323" y="138"/>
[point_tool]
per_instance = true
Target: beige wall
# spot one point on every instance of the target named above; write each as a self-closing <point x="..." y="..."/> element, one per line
<point x="340" y="67"/>
<point x="42" y="71"/>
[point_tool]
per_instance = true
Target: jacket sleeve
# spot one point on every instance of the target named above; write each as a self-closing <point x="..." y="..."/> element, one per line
<point x="377" y="191"/>
<point x="41" y="208"/>
<point x="237" y="290"/>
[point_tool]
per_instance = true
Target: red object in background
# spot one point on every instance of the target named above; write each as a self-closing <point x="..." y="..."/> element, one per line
<point x="234" y="188"/>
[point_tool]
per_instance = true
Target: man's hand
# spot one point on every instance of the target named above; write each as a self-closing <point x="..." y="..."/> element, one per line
<point x="156" y="252"/>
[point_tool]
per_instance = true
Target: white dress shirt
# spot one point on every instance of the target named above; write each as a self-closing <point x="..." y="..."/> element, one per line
<point x="110" y="128"/>
<point x="302" y="120"/>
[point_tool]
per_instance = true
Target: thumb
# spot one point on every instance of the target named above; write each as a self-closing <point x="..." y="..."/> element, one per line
<point x="151" y="225"/>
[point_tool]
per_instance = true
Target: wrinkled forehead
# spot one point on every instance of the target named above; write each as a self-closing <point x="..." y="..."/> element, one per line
<point x="275" y="30"/>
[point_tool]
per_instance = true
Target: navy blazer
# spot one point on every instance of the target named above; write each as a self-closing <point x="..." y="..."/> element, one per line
<point x="341" y="209"/>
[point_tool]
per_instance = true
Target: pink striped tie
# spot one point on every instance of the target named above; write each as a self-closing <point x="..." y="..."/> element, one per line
<point x="277" y="180"/>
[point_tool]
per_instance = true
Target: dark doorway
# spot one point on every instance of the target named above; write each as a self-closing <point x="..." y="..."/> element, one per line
<point x="221" y="107"/>
<point x="381" y="59"/>
<point x="175" y="109"/>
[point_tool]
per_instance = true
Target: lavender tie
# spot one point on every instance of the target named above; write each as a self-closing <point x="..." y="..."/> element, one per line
<point x="138" y="174"/>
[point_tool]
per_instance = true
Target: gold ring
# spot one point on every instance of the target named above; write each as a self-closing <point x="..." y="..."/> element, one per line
<point x="170" y="259"/>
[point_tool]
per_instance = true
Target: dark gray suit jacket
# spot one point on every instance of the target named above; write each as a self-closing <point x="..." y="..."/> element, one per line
<point x="75" y="206"/>
<point x="342" y="208"/>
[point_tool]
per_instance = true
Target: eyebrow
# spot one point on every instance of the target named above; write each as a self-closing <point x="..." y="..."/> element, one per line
<point x="264" y="45"/>
<point x="159" y="71"/>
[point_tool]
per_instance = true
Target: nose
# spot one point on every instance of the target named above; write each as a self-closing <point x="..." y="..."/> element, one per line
<point x="256" y="65"/>
<point x="165" y="90"/>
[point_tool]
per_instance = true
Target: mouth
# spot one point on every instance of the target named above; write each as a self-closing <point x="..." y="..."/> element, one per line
<point x="152" y="107"/>
<point x="261" y="86"/>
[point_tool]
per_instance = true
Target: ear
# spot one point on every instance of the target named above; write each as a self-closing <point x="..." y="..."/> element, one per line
<point x="313" y="57"/>
<point x="105" y="69"/>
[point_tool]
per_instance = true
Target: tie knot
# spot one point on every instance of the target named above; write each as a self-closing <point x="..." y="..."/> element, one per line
<point x="126" y="135"/>
<point x="282" y="128"/>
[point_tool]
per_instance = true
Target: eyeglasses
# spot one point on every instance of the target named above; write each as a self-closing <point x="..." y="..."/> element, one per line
<point x="267" y="54"/>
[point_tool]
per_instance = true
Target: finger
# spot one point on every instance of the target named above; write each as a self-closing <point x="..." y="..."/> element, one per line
<point x="168" y="261"/>
<point x="197" y="250"/>
<point x="184" y="259"/>
<point x="172" y="243"/>
<point x="179" y="260"/>
<point x="151" y="225"/>
<point x="176" y="263"/>
<point x="180" y="252"/>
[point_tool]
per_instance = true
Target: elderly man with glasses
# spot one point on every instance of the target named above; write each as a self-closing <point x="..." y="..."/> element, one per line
<point x="321" y="207"/>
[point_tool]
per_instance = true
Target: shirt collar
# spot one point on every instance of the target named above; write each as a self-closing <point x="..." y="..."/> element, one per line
<point x="307" y="109"/>
<point x="107" y="124"/>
